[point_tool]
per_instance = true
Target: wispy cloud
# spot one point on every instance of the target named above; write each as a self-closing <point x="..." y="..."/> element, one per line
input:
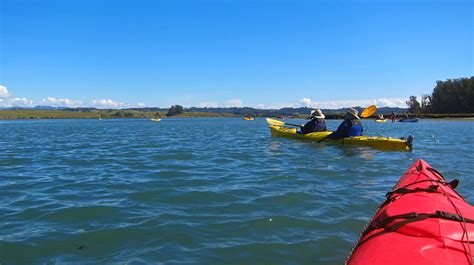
<point x="16" y="102"/>
<point x="233" y="103"/>
<point x="61" y="102"/>
<point x="209" y="104"/>
<point x="336" y="104"/>
<point x="4" y="92"/>
<point x="7" y="101"/>
<point x="276" y="106"/>
<point x="107" y="103"/>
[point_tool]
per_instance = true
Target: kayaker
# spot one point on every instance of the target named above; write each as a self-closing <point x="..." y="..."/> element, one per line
<point x="380" y="117"/>
<point x="316" y="124"/>
<point x="404" y="117"/>
<point x="351" y="126"/>
<point x="394" y="117"/>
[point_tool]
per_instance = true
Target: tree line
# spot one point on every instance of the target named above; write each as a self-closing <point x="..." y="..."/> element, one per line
<point x="448" y="97"/>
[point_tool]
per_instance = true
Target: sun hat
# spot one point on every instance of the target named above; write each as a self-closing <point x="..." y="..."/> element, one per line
<point x="318" y="114"/>
<point x="353" y="112"/>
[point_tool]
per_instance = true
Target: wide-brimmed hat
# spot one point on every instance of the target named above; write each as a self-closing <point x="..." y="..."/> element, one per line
<point x="353" y="112"/>
<point x="318" y="114"/>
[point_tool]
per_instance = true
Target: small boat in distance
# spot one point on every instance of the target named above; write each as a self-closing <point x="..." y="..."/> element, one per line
<point x="249" y="118"/>
<point x="380" y="118"/>
<point x="155" y="119"/>
<point x="409" y="120"/>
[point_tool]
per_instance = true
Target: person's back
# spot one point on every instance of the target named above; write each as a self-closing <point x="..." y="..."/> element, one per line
<point x="316" y="124"/>
<point x="351" y="126"/>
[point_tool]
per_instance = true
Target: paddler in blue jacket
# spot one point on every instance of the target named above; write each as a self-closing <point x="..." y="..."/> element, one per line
<point x="351" y="126"/>
<point x="316" y="124"/>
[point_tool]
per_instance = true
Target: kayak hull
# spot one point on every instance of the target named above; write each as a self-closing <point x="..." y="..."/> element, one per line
<point x="384" y="120"/>
<point x="417" y="224"/>
<point x="381" y="143"/>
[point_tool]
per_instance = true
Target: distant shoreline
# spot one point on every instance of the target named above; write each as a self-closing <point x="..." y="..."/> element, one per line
<point x="135" y="114"/>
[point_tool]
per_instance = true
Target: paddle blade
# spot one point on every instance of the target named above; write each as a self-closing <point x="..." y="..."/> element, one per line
<point x="275" y="122"/>
<point x="368" y="111"/>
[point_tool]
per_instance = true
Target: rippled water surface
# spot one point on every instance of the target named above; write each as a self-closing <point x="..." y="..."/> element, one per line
<point x="208" y="191"/>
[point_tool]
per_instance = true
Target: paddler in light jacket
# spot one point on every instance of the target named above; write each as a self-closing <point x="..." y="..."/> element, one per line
<point x="351" y="126"/>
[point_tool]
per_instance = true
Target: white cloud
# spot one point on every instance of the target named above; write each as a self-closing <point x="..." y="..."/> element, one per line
<point x="4" y="92"/>
<point x="141" y="105"/>
<point x="394" y="102"/>
<point x="305" y="102"/>
<point x="209" y="104"/>
<point x="107" y="103"/>
<point x="16" y="102"/>
<point x="233" y="103"/>
<point x="61" y="102"/>
<point x="336" y="104"/>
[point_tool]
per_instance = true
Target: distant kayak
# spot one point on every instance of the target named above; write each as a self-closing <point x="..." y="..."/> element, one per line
<point x="249" y="118"/>
<point x="153" y="119"/>
<point x="381" y="143"/>
<point x="423" y="221"/>
<point x="384" y="120"/>
<point x="409" y="120"/>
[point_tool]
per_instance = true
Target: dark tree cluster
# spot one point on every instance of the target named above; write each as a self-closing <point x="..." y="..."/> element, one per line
<point x="449" y="97"/>
<point x="453" y="96"/>
<point x="175" y="110"/>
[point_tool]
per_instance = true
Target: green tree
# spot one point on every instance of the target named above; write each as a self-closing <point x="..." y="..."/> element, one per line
<point x="413" y="105"/>
<point x="453" y="96"/>
<point x="175" y="110"/>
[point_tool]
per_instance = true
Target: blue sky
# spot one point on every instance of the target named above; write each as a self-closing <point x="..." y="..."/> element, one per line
<point x="124" y="53"/>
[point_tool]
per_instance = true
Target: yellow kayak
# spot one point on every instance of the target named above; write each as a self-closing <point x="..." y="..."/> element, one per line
<point x="384" y="120"/>
<point x="381" y="143"/>
<point x="248" y="118"/>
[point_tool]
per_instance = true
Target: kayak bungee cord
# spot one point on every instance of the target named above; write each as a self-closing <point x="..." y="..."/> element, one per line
<point x="464" y="226"/>
<point x="428" y="211"/>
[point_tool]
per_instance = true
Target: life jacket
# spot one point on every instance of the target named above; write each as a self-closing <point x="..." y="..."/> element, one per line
<point x="356" y="128"/>
<point x="319" y="126"/>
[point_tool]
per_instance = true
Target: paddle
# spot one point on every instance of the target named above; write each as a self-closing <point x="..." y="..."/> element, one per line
<point x="279" y="123"/>
<point x="367" y="112"/>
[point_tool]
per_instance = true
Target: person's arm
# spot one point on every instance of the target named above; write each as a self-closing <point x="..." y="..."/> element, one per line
<point x="341" y="132"/>
<point x="307" y="127"/>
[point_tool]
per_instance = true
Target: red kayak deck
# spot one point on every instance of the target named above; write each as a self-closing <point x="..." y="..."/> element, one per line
<point x="424" y="221"/>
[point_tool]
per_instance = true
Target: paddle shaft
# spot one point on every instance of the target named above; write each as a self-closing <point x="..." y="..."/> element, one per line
<point x="293" y="124"/>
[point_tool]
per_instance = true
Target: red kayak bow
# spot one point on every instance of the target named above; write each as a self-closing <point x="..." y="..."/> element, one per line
<point x="424" y="221"/>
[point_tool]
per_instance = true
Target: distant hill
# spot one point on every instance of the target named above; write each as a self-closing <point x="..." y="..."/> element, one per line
<point x="286" y="111"/>
<point x="241" y="111"/>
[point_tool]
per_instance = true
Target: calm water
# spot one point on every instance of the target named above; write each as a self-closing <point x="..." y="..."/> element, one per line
<point x="208" y="191"/>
